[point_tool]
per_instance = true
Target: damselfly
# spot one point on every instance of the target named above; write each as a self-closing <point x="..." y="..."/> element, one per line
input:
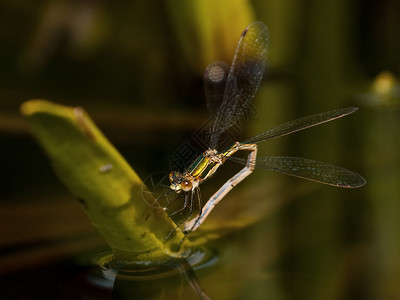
<point x="229" y="91"/>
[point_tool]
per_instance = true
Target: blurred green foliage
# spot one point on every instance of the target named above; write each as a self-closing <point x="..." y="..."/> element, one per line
<point x="109" y="190"/>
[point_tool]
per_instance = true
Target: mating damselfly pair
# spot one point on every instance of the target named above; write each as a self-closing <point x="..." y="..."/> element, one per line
<point x="229" y="92"/>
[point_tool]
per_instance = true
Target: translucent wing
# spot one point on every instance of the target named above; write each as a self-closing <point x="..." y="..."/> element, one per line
<point x="215" y="77"/>
<point x="309" y="169"/>
<point x="300" y="124"/>
<point x="244" y="77"/>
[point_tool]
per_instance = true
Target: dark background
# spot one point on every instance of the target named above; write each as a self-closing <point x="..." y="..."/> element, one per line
<point x="136" y="67"/>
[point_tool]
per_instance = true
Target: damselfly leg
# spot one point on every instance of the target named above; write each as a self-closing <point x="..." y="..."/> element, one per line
<point x="191" y="203"/>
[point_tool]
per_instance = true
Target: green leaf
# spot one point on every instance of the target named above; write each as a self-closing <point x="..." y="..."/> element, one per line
<point x="106" y="186"/>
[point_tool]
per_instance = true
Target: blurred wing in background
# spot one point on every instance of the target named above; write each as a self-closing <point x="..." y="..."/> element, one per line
<point x="243" y="80"/>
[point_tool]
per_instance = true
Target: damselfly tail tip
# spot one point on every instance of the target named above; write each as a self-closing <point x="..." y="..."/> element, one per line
<point x="245" y="31"/>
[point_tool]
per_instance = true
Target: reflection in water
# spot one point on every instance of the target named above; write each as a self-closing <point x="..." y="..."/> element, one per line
<point x="171" y="279"/>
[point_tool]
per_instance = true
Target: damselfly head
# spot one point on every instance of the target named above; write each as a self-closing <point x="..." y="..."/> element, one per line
<point x="186" y="185"/>
<point x="181" y="182"/>
<point x="176" y="178"/>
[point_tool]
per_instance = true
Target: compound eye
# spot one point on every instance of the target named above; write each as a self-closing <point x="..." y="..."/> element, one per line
<point x="186" y="185"/>
<point x="173" y="176"/>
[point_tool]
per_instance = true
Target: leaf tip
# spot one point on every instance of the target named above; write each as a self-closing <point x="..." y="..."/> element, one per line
<point x="30" y="107"/>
